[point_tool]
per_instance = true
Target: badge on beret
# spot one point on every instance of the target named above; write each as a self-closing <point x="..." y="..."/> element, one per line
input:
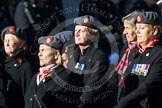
<point x="139" y="19"/>
<point x="49" y="39"/>
<point x="86" y="21"/>
<point x="11" y="30"/>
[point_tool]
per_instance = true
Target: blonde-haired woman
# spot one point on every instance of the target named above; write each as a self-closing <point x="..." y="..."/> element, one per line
<point x="45" y="89"/>
<point x="18" y="70"/>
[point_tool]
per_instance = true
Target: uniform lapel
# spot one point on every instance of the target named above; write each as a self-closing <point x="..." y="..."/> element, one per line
<point x="149" y="53"/>
<point x="89" y="56"/>
<point x="73" y="59"/>
<point x="42" y="83"/>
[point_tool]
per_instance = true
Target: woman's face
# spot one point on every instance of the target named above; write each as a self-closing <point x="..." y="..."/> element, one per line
<point x="81" y="35"/>
<point x="46" y="55"/>
<point x="129" y="32"/>
<point x="11" y="44"/>
<point x="144" y="34"/>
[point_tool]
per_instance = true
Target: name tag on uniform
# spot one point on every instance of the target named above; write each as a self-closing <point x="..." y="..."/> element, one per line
<point x="140" y="69"/>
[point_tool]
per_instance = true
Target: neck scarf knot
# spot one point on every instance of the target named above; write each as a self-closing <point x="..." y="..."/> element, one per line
<point x="44" y="72"/>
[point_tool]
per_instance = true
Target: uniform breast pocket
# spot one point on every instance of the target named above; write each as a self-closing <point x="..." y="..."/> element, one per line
<point x="140" y="69"/>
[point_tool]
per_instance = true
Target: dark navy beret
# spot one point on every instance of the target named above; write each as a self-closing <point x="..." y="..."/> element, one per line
<point x="57" y="42"/>
<point x="149" y="17"/>
<point x="20" y="33"/>
<point x="65" y="36"/>
<point x="87" y="20"/>
<point x="51" y="41"/>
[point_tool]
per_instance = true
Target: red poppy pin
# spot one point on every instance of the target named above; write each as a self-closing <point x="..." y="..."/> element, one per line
<point x="19" y="60"/>
<point x="134" y="53"/>
<point x="139" y="19"/>
<point x="49" y="39"/>
<point x="11" y="29"/>
<point x="86" y="21"/>
<point x="89" y="60"/>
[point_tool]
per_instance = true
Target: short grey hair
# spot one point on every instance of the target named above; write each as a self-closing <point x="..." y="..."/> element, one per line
<point x="131" y="18"/>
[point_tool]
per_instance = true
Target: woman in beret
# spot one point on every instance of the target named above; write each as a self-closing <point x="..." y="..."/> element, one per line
<point x="143" y="76"/>
<point x="47" y="86"/>
<point x="18" y="70"/>
<point x="117" y="78"/>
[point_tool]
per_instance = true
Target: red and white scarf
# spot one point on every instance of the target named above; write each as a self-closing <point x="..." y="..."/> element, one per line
<point x="122" y="65"/>
<point x="43" y="72"/>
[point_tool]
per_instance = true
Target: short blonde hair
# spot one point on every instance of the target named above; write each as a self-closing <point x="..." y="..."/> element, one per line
<point x="95" y="33"/>
<point x="57" y="53"/>
<point x="155" y="27"/>
<point x="92" y="31"/>
<point x="24" y="47"/>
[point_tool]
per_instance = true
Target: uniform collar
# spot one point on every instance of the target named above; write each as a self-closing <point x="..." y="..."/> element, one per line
<point x="18" y="54"/>
<point x="151" y="44"/>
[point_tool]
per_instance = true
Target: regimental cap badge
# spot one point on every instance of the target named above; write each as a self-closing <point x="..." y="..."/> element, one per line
<point x="86" y="21"/>
<point x="11" y="29"/>
<point x="49" y="39"/>
<point x="139" y="19"/>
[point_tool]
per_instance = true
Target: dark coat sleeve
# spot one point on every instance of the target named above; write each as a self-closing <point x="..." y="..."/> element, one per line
<point x="2" y="88"/>
<point x="114" y="77"/>
<point x="26" y="76"/>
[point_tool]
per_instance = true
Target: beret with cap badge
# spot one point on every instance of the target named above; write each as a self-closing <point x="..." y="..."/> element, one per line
<point x="51" y="41"/>
<point x="88" y="21"/>
<point x="65" y="36"/>
<point x="149" y="17"/>
<point x="20" y="33"/>
<point x="57" y="42"/>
